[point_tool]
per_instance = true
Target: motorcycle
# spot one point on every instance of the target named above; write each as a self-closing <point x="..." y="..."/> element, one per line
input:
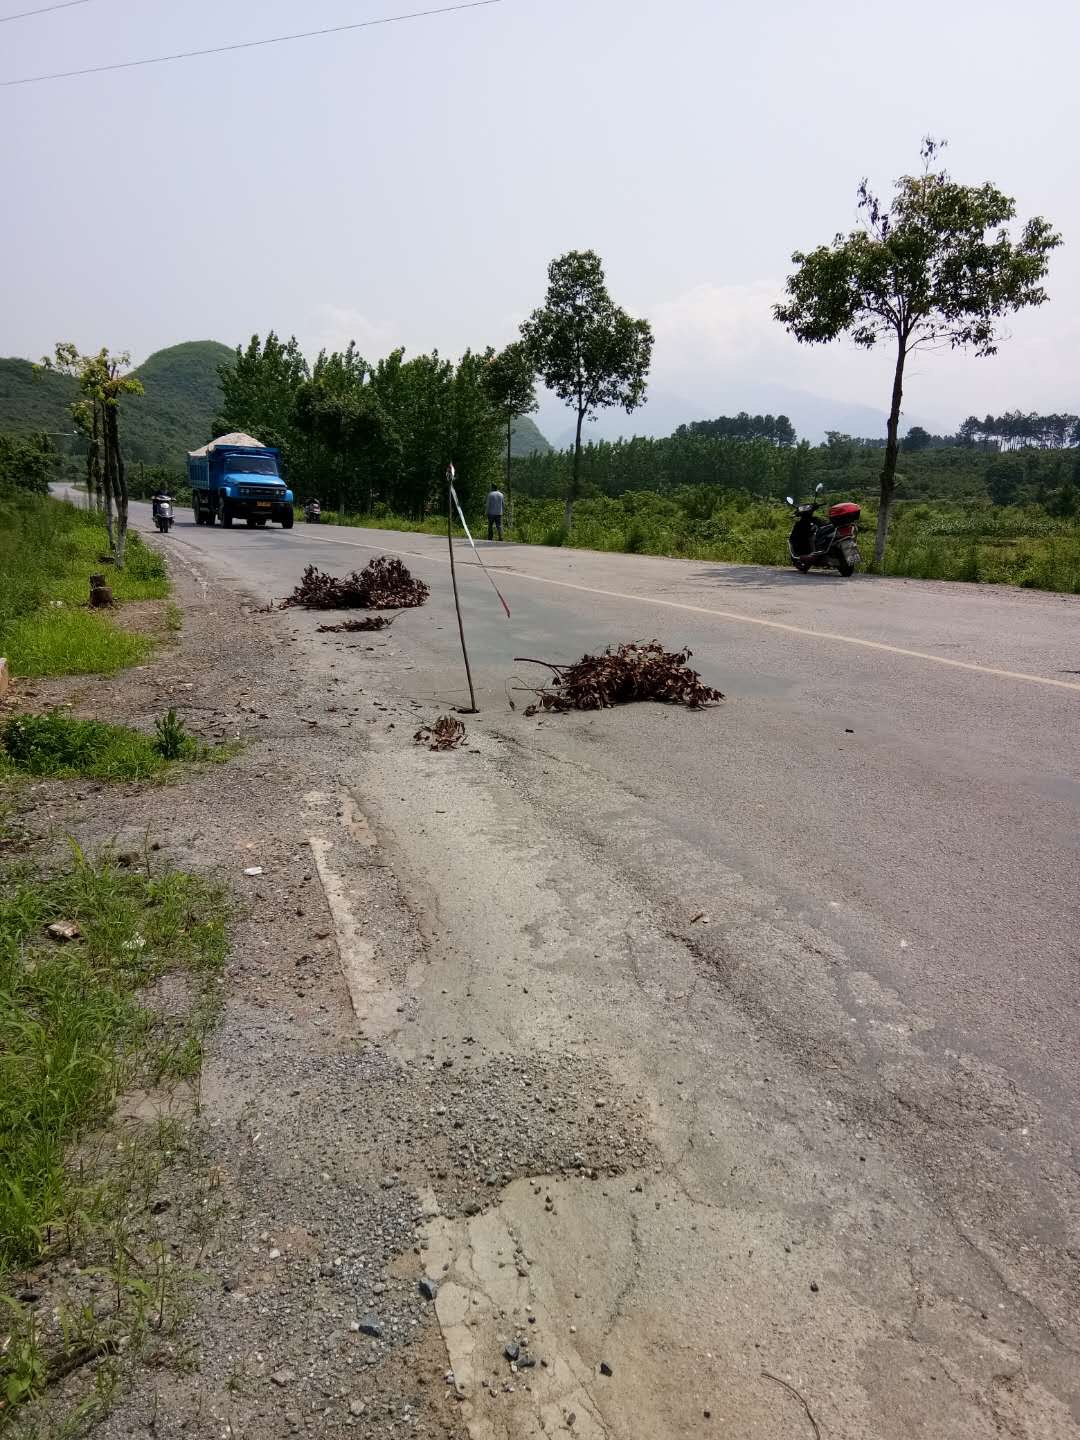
<point x="162" y="513"/>
<point x="829" y="542"/>
<point x="313" y="512"/>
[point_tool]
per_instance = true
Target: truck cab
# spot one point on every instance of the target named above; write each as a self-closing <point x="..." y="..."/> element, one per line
<point x="237" y="478"/>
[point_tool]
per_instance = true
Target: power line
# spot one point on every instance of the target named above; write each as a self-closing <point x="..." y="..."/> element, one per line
<point x="45" y="10"/>
<point x="247" y="44"/>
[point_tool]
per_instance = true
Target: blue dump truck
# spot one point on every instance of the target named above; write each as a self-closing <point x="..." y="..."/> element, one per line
<point x="237" y="478"/>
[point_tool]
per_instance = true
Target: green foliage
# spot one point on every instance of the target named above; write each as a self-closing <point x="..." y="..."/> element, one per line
<point x="587" y="349"/>
<point x="183" y="395"/>
<point x="27" y="463"/>
<point x="47" y="553"/>
<point x="173" y="741"/>
<point x="777" y="429"/>
<point x="73" y="1033"/>
<point x="357" y="436"/>
<point x="936" y="268"/>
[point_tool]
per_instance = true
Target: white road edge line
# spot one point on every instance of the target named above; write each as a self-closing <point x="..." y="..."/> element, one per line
<point x="734" y="615"/>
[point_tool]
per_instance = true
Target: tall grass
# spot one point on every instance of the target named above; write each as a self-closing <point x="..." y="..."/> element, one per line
<point x="48" y="550"/>
<point x="73" y="1033"/>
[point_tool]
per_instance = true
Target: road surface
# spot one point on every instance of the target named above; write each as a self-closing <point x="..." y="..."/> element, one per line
<point x="827" y="931"/>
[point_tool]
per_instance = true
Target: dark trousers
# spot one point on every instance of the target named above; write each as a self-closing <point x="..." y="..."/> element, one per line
<point x="494" y="523"/>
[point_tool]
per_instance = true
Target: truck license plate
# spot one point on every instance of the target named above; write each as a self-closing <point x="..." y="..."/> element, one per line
<point x="262" y="504"/>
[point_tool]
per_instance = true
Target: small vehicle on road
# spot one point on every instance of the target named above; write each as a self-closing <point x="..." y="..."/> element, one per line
<point x="830" y="542"/>
<point x="162" y="512"/>
<point x="313" y="512"/>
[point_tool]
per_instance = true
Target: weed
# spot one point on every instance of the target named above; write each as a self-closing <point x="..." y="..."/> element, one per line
<point x="173" y="741"/>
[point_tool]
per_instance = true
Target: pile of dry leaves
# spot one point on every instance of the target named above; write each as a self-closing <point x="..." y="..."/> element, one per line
<point x="637" y="671"/>
<point x="445" y="734"/>
<point x="383" y="584"/>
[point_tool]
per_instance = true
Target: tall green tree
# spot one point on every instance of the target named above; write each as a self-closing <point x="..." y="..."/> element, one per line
<point x="936" y="267"/>
<point x="510" y="380"/>
<point x="587" y="349"/>
<point x="259" y="389"/>
<point x="103" y="380"/>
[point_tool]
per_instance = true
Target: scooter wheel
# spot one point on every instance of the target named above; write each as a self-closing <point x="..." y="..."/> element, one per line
<point x="802" y="567"/>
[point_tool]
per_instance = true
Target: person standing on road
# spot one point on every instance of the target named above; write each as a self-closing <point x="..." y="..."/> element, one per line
<point x="495" y="504"/>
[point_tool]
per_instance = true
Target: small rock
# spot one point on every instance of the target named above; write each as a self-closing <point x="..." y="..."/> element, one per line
<point x="283" y="1377"/>
<point x="814" y="1286"/>
<point x="275" y="1254"/>
<point x="370" y="1325"/>
<point x="254" y="870"/>
<point x="356" y="1407"/>
<point x="511" y="1351"/>
<point x="429" y="1288"/>
<point x="64" y="930"/>
<point x="605" y="1368"/>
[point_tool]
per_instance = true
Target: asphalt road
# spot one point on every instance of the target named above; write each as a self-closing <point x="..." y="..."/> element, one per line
<point x="871" y="848"/>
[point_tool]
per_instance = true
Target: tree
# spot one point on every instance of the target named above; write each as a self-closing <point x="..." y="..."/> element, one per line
<point x="917" y="439"/>
<point x="510" y="381"/>
<point x="936" y="268"/>
<point x="587" y="349"/>
<point x="1003" y="480"/>
<point x="103" y="380"/>
<point x="259" y="391"/>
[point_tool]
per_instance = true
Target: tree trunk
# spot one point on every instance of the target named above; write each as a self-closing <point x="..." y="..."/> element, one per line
<point x="509" y="501"/>
<point x="119" y="482"/>
<point x="575" y="482"/>
<point x="888" y="470"/>
<point x="106" y="474"/>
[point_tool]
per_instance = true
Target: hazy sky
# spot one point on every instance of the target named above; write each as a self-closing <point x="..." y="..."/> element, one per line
<point x="409" y="184"/>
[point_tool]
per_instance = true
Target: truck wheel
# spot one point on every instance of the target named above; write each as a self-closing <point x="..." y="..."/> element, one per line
<point x="208" y="516"/>
<point x="226" y="515"/>
<point x="287" y="518"/>
<point x="251" y="522"/>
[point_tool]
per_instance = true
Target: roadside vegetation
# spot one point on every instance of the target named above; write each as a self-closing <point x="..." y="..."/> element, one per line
<point x="48" y="550"/>
<point x="62" y="746"/>
<point x="82" y="946"/>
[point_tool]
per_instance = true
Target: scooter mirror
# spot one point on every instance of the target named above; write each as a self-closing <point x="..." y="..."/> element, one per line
<point x="788" y="499"/>
<point x="818" y="488"/>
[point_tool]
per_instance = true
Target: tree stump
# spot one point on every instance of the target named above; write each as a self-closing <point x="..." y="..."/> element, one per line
<point x="100" y="593"/>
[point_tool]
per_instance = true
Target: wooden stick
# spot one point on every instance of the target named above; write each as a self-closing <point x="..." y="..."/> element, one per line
<point x="798" y="1396"/>
<point x="453" y="578"/>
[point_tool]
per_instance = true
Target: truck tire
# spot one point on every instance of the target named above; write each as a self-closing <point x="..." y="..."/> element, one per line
<point x="287" y="518"/>
<point x="251" y="522"/>
<point x="226" y="515"/>
<point x="208" y="515"/>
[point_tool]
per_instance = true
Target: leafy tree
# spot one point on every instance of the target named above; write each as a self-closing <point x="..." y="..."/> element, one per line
<point x="777" y="428"/>
<point x="917" y="439"/>
<point x="510" y="380"/>
<point x="587" y="349"/>
<point x="25" y="462"/>
<point x="103" y="381"/>
<point x="936" y="268"/>
<point x="1004" y="478"/>
<point x="259" y="389"/>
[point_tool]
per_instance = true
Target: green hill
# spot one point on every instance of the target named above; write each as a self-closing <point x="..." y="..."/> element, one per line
<point x="526" y="439"/>
<point x="182" y="395"/>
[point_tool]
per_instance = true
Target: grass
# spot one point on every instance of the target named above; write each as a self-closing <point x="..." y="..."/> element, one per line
<point x="979" y="543"/>
<point x="62" y="746"/>
<point x="48" y="550"/>
<point x="76" y="1032"/>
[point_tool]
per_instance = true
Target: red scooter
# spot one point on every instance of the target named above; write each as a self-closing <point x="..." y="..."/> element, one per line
<point x="829" y="543"/>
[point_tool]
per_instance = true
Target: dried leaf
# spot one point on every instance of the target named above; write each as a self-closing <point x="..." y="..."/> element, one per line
<point x="385" y="583"/>
<point x="636" y="671"/>
<point x="446" y="733"/>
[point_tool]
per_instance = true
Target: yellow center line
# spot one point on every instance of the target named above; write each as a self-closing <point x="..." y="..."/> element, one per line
<point x="735" y="615"/>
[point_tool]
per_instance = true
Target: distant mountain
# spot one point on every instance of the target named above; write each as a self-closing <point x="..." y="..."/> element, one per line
<point x="525" y="438"/>
<point x="182" y="395"/>
<point x="812" y="415"/>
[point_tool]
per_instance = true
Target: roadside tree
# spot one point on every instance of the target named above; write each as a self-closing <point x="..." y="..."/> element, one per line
<point x="588" y="350"/>
<point x="935" y="268"/>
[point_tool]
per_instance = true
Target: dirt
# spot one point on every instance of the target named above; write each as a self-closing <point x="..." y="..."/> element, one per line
<point x="321" y="1145"/>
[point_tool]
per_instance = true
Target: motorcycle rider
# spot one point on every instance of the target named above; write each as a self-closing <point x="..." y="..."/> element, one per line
<point x="155" y="500"/>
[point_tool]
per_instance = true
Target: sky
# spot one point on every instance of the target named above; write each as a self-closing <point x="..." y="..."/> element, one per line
<point x="409" y="183"/>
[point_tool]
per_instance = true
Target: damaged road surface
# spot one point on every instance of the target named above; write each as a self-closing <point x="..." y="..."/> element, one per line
<point x="648" y="1072"/>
